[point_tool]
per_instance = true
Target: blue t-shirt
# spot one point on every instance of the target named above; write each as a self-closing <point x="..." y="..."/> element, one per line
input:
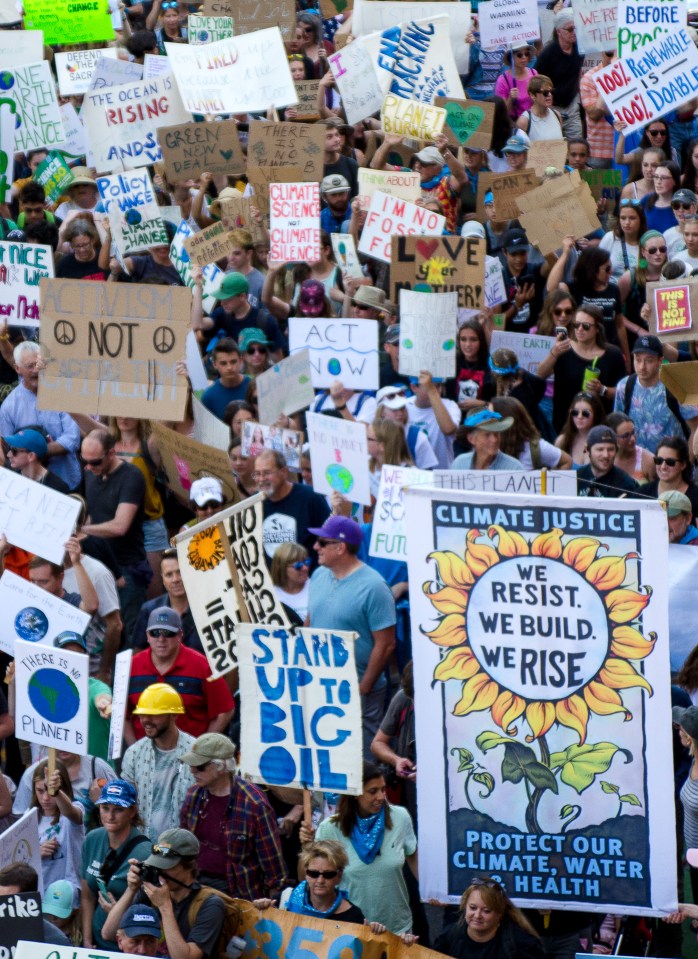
<point x="216" y="397"/>
<point x="361" y="602"/>
<point x="659" y="217"/>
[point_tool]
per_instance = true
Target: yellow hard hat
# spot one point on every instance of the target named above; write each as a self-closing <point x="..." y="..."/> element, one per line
<point x="158" y="700"/>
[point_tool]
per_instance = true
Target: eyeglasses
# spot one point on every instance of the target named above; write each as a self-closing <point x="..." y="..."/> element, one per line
<point x="300" y="564"/>
<point x="200" y="769"/>
<point x="327" y="542"/>
<point x="160" y="633"/>
<point x="657" y="133"/>
<point x="523" y="54"/>
<point x="682" y="206"/>
<point x="655" y="249"/>
<point x="325" y="873"/>
<point x="581" y="325"/>
<point x="256" y="349"/>
<point x="665" y="461"/>
<point x="209" y="504"/>
<point x="15" y="452"/>
<point x="626" y="436"/>
<point x="80" y="247"/>
<point x="562" y="311"/>
<point x="546" y="93"/>
<point x="630" y="202"/>
<point x="94" y="462"/>
<point x="585" y="414"/>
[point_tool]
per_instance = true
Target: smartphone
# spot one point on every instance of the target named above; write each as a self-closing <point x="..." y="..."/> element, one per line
<point x="102" y="886"/>
<point x="561" y="331"/>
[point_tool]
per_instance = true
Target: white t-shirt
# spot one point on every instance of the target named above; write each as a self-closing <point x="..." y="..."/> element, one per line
<point x="674" y="241"/>
<point x="366" y="414"/>
<point x="441" y="444"/>
<point x="549" y="455"/>
<point x="685" y="257"/>
<point x="298" y="602"/>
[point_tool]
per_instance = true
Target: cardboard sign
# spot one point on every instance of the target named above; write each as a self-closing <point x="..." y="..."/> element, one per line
<point x="121" y="121"/>
<point x="114" y="73"/>
<point x="673" y="305"/>
<point x="555" y="209"/>
<point x="294" y="224"/>
<point x="155" y="66"/>
<point x="54" y="175"/>
<point x="356" y="80"/>
<point x="240" y="75"/>
<point x="285" y="388"/>
<point x="113" y="348"/>
<point x="596" y="22"/>
<point x="20" y="843"/>
<point x="398" y="183"/>
<point x="260" y="179"/>
<point x="213" y="276"/>
<point x="250" y="16"/>
<point x="75" y="68"/>
<point x="134" y="215"/>
<point x="38" y="118"/>
<point x="681" y="379"/>
<point x="203" y="30"/>
<point x="288" y="145"/>
<point x="33" y="614"/>
<point x="547" y="153"/>
<point x="345" y="350"/>
<point x="21" y="919"/>
<point x="75" y="140"/>
<point x="35" y="517"/>
<point x="640" y="23"/>
<point x="65" y="22"/>
<point x="307" y="93"/>
<point x="236" y="212"/>
<point x="257" y="437"/>
<point x="217" y="8"/>
<point x="22" y="266"/>
<point x="468" y="122"/>
<point x="428" y="325"/>
<point x="122" y="677"/>
<point x="646" y="85"/>
<point x="507" y="188"/>
<point x="8" y="113"/>
<point x="504" y="22"/>
<point x="185" y="460"/>
<point x="530" y="348"/>
<point x="332" y="8"/>
<point x="208" y="245"/>
<point x="345" y="254"/>
<point x="440" y="265"/>
<point x="312" y="740"/>
<point x="603" y="183"/>
<point x="52" y="702"/>
<point x="190" y="149"/>
<point x="20" y="46"/>
<point x="228" y="550"/>
<point x="410" y="118"/>
<point x="388" y="216"/>
<point x="339" y="457"/>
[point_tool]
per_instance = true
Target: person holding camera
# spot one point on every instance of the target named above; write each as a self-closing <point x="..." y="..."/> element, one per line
<point x="168" y="879"/>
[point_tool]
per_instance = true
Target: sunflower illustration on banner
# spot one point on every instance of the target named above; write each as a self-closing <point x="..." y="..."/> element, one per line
<point x="540" y="643"/>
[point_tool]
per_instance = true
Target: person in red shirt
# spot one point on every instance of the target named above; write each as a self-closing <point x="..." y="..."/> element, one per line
<point x="208" y="703"/>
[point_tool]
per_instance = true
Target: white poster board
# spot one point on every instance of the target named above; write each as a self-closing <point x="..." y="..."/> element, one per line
<point x="428" y="334"/>
<point x="389" y="216"/>
<point x="122" y="675"/>
<point x="34" y="616"/>
<point x="285" y="388"/>
<point x="294" y="222"/>
<point x="530" y="348"/>
<point x="596" y="22"/>
<point x="357" y="81"/>
<point x="20" y="843"/>
<point x="22" y="265"/>
<point x="34" y="517"/>
<point x="75" y="69"/>
<point x="339" y="349"/>
<point x="504" y="22"/>
<point x="339" y="457"/>
<point x="33" y="90"/>
<point x="134" y="215"/>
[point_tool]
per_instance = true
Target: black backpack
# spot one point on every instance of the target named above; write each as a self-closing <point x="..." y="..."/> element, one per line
<point x="671" y="402"/>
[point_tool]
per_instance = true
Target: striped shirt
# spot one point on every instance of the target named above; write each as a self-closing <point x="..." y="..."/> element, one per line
<point x="689" y="800"/>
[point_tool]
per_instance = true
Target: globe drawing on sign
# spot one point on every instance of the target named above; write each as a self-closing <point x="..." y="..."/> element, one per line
<point x="31" y="624"/>
<point x="7" y="80"/>
<point x="339" y="477"/>
<point x="133" y="217"/>
<point x="54" y="695"/>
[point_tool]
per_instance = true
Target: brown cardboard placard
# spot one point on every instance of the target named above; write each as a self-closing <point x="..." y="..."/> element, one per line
<point x="113" y="348"/>
<point x="468" y="122"/>
<point x="557" y="208"/>
<point x="185" y="460"/>
<point x="209" y="245"/>
<point x="306" y="109"/>
<point x="190" y="149"/>
<point x="331" y="8"/>
<point x="507" y="187"/>
<point x="236" y="214"/>
<point x="217" y="8"/>
<point x="547" y="153"/>
<point x="251" y="15"/>
<point x="439" y="265"/>
<point x="655" y="290"/>
<point x="286" y="145"/>
<point x="681" y="379"/>
<point x="261" y="176"/>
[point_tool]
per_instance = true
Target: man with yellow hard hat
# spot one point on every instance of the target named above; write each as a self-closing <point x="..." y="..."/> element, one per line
<point x="152" y="764"/>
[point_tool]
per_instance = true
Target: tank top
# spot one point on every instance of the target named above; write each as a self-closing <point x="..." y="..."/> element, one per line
<point x="544" y="128"/>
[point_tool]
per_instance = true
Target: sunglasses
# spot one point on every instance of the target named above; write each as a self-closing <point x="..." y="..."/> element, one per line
<point x="665" y="460"/>
<point x="170" y="5"/>
<point x="210" y="504"/>
<point x="94" y="462"/>
<point x="655" y="249"/>
<point x="581" y="325"/>
<point x="681" y="206"/>
<point x="327" y="542"/>
<point x="561" y="311"/>
<point x="657" y="133"/>
<point x="325" y="873"/>
<point x="630" y="202"/>
<point x="546" y="93"/>
<point x="625" y="436"/>
<point x="300" y="564"/>
<point x="490" y="883"/>
<point x="585" y="414"/>
<point x="165" y="851"/>
<point x="256" y="349"/>
<point x="200" y="769"/>
<point x="523" y="54"/>
<point x="160" y="633"/>
<point x="15" y="451"/>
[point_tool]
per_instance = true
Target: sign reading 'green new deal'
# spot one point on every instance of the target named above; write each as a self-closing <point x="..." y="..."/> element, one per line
<point x="69" y="21"/>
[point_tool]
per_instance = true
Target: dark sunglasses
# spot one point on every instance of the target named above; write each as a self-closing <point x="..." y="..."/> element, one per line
<point x="668" y="460"/>
<point x="681" y="206"/>
<point x="325" y="873"/>
<point x="657" y="133"/>
<point x="630" y="202"/>
<point x="561" y="311"/>
<point x="300" y="564"/>
<point x="15" y="451"/>
<point x="94" y="462"/>
<point x="490" y="883"/>
<point x="210" y="504"/>
<point x="160" y="633"/>
<point x="546" y="93"/>
<point x="256" y="349"/>
<point x="200" y="769"/>
<point x="165" y="851"/>
<point x="522" y="54"/>
<point x="326" y="542"/>
<point x="585" y="414"/>
<point x="655" y="249"/>
<point x="581" y="325"/>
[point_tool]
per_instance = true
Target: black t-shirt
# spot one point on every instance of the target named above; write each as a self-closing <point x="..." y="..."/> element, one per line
<point x="526" y="317"/>
<point x="569" y="374"/>
<point x="71" y="269"/>
<point x="349" y="169"/>
<point x="54" y="482"/>
<point x="104" y="496"/>
<point x="611" y="485"/>
<point x="208" y="924"/>
<point x="563" y="69"/>
<point x="145" y="267"/>
<point x="607" y="300"/>
<point x="288" y="519"/>
<point x="258" y="318"/>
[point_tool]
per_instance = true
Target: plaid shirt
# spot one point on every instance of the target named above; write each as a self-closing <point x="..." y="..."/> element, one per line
<point x="255" y="867"/>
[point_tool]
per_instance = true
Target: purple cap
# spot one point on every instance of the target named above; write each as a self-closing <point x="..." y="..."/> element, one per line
<point x="341" y="528"/>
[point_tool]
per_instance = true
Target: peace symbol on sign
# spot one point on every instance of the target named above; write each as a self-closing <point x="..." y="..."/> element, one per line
<point x="163" y="339"/>
<point x="64" y="332"/>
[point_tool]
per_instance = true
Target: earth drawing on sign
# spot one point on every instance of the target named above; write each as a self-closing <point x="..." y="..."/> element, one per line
<point x="54" y="695"/>
<point x="31" y="624"/>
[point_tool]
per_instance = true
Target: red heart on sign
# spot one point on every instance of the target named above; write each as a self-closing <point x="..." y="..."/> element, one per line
<point x="426" y="248"/>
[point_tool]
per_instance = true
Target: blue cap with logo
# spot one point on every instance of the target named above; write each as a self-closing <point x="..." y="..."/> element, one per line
<point x="141" y="920"/>
<point x="118" y="792"/>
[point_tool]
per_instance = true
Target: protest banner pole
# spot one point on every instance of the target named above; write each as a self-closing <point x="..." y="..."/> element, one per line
<point x="244" y="615"/>
<point x="544" y="481"/>
<point x="307" y="808"/>
<point x="52" y="754"/>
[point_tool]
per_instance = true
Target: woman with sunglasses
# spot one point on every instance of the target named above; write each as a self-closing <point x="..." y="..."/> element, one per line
<point x="684" y="203"/>
<point x="254" y="347"/>
<point x="542" y="121"/>
<point x="635" y="460"/>
<point x="641" y="179"/>
<point x="656" y="135"/>
<point x="489" y="925"/>
<point x="674" y="471"/>
<point x="633" y="283"/>
<point x="558" y="310"/>
<point x="290" y="573"/>
<point x="622" y="243"/>
<point x="166" y="13"/>
<point x="310" y="41"/>
<point x="667" y="181"/>
<point x="512" y="85"/>
<point x="585" y="412"/>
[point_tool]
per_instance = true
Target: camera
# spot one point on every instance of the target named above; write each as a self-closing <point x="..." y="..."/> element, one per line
<point x="149" y="874"/>
<point x="235" y="947"/>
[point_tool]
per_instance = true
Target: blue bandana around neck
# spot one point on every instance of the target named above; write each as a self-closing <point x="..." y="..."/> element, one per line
<point x="435" y="180"/>
<point x="367" y="836"/>
<point x="299" y="901"/>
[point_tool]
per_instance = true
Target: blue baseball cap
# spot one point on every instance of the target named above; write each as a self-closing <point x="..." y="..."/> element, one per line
<point x="58" y="899"/>
<point x="30" y="440"/>
<point x="141" y="920"/>
<point x="118" y="793"/>
<point x="341" y="528"/>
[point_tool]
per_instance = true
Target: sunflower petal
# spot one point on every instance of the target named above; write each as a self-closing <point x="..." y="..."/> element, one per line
<point x="624" y="605"/>
<point x="458" y="663"/>
<point x="603" y="701"/>
<point x="452" y="569"/>
<point x="581" y="552"/>
<point x="447" y="600"/>
<point x="449" y="632"/>
<point x="507" y="708"/>
<point x="540" y="717"/>
<point x="479" y="556"/>
<point x="609" y="571"/>
<point x="479" y="693"/>
<point x="548" y="544"/>
<point x="617" y="674"/>
<point x="508" y="543"/>
<point x="574" y="713"/>
<point x="629" y="643"/>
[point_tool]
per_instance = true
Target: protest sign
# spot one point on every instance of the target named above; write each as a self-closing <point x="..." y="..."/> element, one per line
<point x="548" y="663"/>
<point x="345" y="254"/>
<point x="495" y="288"/>
<point x="640" y="22"/>
<point x="21" y="919"/>
<point x="54" y="175"/>
<point x="558" y="482"/>
<point x="682" y="572"/>
<point x="603" y="183"/>
<point x="191" y="149"/>
<point x="36" y="615"/>
<point x="547" y="153"/>
<point x="331" y="8"/>
<point x="35" y="517"/>
<point x="195" y="365"/>
<point x="37" y="116"/>
<point x="530" y="348"/>
<point x="673" y="306"/>
<point x="251" y="15"/>
<point x="339" y="349"/>
<point x="75" y="140"/>
<point x="203" y="30"/>
<point x="285" y="388"/>
<point x="505" y="22"/>
<point x="122" y="676"/>
<point x="74" y="69"/>
<point x="389" y="216"/>
<point x="596" y="22"/>
<point x="294" y="222"/>
<point x="468" y="122"/>
<point x="113" y="348"/>
<point x="121" y="121"/>
<point x="66" y="22"/>
<point x="30" y="950"/>
<point x="109" y="72"/>
<point x="155" y="66"/>
<point x="51" y="690"/>
<point x="398" y="183"/>
<point x="20" y="844"/>
<point x="307" y="93"/>
<point x="217" y="8"/>
<point x="428" y="325"/>
<point x="356" y="80"/>
<point x="507" y="188"/>
<point x="129" y="201"/>
<point x="208" y="245"/>
<point x="257" y="437"/>
<point x="339" y="457"/>
<point x="8" y="113"/>
<point x="288" y="145"/>
<point x="410" y="118"/>
<point x="228" y="547"/>
<point x="213" y="276"/>
<point x="555" y="209"/>
<point x="239" y="75"/>
<point x="300" y="708"/>
<point x="208" y="429"/>
<point x="22" y="267"/>
<point x="443" y="265"/>
<point x="236" y="212"/>
<point x="185" y="459"/>
<point x="659" y="78"/>
<point x="21" y="46"/>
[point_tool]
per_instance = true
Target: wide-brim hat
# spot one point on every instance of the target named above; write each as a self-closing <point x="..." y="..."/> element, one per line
<point x="81" y="177"/>
<point x="375" y="298"/>
<point x="229" y="193"/>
